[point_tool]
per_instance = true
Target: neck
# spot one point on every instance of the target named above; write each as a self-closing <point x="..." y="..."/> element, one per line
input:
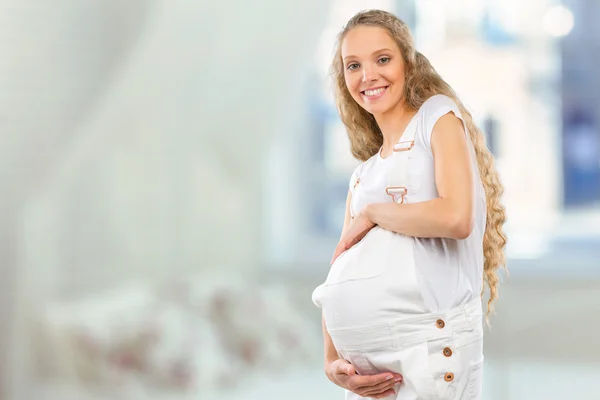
<point x="393" y="123"/>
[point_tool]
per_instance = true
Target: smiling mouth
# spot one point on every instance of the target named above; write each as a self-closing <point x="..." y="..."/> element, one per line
<point x="374" y="93"/>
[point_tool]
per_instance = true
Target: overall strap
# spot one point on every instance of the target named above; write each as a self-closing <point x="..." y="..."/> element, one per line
<point x="397" y="186"/>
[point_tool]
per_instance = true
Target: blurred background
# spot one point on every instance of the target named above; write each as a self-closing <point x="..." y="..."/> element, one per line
<point x="173" y="177"/>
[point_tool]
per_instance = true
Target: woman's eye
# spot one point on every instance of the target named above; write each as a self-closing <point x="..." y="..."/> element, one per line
<point x="384" y="60"/>
<point x="352" y="66"/>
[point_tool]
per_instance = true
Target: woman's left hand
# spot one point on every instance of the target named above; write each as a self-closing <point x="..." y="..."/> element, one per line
<point x="357" y="230"/>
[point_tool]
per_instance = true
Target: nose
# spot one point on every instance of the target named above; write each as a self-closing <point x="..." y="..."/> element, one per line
<point x="369" y="74"/>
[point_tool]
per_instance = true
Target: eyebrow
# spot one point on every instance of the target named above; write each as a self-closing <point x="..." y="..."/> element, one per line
<point x="375" y="52"/>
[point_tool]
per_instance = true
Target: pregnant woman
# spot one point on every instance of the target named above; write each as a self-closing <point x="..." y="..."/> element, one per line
<point x="401" y="305"/>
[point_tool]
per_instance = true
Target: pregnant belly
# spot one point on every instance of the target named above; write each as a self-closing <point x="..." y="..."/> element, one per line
<point x="373" y="281"/>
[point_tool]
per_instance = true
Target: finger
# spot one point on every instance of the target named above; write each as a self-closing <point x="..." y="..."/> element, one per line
<point x="360" y="237"/>
<point x="366" y="382"/>
<point x="346" y="369"/>
<point x="338" y="250"/>
<point x="335" y="254"/>
<point x="351" y="370"/>
<point x="355" y="239"/>
<point x="383" y="395"/>
<point x="380" y="389"/>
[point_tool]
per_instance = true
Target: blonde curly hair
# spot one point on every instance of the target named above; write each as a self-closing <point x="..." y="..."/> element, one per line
<point x="422" y="82"/>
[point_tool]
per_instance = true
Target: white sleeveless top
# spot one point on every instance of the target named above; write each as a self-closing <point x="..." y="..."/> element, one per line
<point x="452" y="269"/>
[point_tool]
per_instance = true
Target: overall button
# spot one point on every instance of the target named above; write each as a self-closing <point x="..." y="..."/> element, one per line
<point x="447" y="352"/>
<point x="449" y="377"/>
<point x="440" y="323"/>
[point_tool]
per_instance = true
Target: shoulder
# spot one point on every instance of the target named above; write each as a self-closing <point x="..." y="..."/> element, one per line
<point x="439" y="105"/>
<point x="432" y="111"/>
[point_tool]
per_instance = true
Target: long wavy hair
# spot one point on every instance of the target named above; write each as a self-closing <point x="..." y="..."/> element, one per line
<point x="422" y="82"/>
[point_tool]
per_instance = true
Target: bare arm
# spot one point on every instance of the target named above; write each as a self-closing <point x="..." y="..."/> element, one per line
<point x="451" y="214"/>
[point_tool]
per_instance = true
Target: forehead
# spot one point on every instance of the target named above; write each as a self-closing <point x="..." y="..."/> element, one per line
<point x="364" y="40"/>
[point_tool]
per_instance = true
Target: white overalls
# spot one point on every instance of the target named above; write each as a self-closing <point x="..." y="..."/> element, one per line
<point x="379" y="322"/>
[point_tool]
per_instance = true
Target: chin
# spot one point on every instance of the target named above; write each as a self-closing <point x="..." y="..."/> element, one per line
<point x="375" y="110"/>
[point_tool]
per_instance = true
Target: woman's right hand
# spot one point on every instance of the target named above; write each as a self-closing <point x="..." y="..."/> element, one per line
<point x="379" y="386"/>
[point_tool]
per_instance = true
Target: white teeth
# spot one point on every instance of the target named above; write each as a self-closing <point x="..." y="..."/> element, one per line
<point x="374" y="92"/>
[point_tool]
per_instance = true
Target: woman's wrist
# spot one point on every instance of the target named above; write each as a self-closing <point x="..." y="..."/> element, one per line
<point x="330" y="360"/>
<point x="367" y="212"/>
<point x="328" y="368"/>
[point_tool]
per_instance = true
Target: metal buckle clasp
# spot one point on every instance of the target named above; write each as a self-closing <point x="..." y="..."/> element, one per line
<point x="395" y="191"/>
<point x="404" y="146"/>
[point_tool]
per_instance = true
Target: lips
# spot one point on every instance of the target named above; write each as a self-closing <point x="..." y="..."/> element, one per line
<point x="374" y="93"/>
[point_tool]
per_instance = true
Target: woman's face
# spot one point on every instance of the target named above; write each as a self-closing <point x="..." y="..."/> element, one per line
<point x="373" y="68"/>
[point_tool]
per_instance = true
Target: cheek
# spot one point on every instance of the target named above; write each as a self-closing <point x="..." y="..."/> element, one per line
<point x="352" y="82"/>
<point x="398" y="80"/>
<point x="353" y="85"/>
<point x="399" y="86"/>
